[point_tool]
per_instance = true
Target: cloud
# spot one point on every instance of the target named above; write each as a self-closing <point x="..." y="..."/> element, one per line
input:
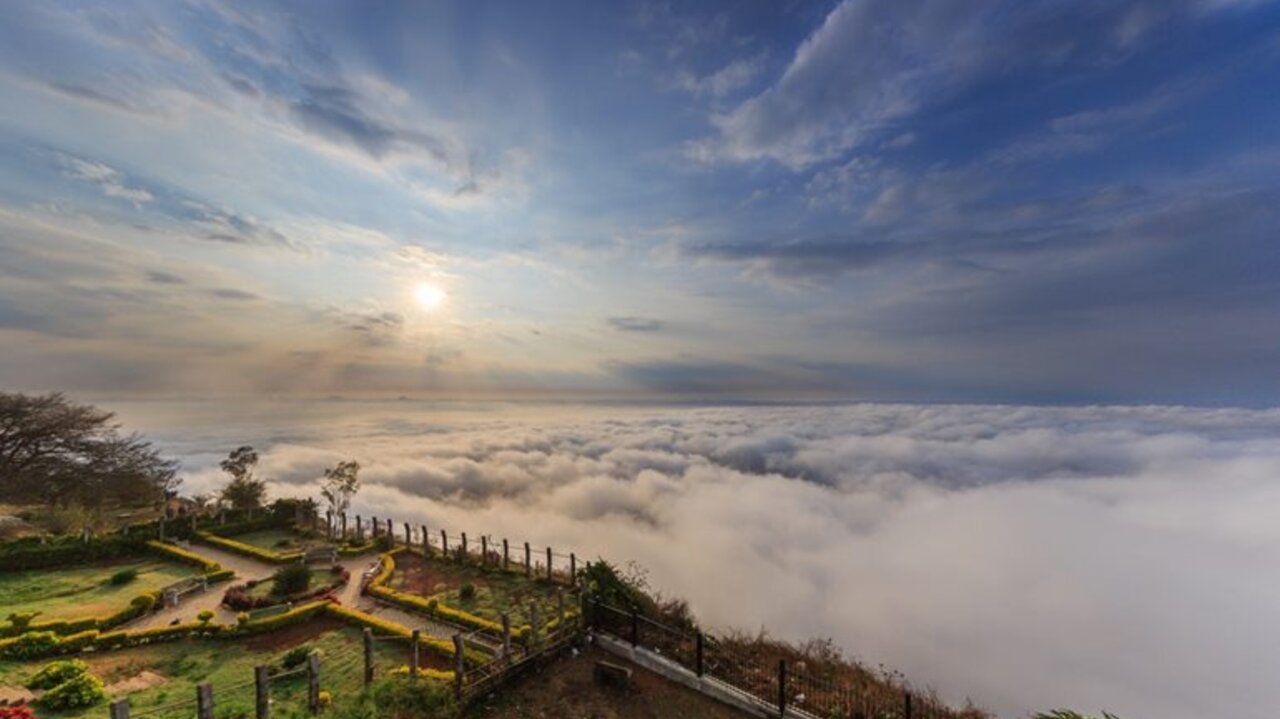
<point x="854" y="80"/>
<point x="107" y="178"/>
<point x="230" y="293"/>
<point x="1025" y="557"/>
<point x="636" y="324"/>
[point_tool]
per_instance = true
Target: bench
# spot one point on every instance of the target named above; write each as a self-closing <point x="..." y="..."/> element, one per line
<point x="610" y="674"/>
<point x="176" y="591"/>
<point x="317" y="554"/>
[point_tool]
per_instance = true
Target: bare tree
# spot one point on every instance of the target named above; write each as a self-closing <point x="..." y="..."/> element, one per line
<point x="341" y="482"/>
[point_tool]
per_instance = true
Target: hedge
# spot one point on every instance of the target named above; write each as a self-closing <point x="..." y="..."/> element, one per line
<point x="184" y="555"/>
<point x="66" y="551"/>
<point x="435" y="608"/>
<point x="426" y="673"/>
<point x="355" y="550"/>
<point x="440" y="646"/>
<point x="249" y="550"/>
<point x="138" y="606"/>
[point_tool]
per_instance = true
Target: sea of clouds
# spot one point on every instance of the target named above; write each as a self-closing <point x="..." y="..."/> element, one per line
<point x="1125" y="559"/>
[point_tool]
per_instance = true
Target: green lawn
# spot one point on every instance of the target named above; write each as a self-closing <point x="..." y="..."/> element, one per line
<point x="278" y="540"/>
<point x="227" y="665"/>
<point x="74" y="592"/>
<point x="320" y="577"/>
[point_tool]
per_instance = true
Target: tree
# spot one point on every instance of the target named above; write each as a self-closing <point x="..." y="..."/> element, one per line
<point x="341" y="482"/>
<point x="244" y="491"/>
<point x="60" y="452"/>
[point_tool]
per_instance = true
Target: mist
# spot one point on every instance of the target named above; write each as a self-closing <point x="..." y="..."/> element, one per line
<point x="1117" y="558"/>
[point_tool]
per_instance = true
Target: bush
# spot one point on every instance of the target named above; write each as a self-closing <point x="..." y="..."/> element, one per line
<point x="291" y="579"/>
<point x="296" y="657"/>
<point x="21" y="711"/>
<point x="21" y="621"/>
<point x="82" y="690"/>
<point x="124" y="576"/>
<point x="468" y="592"/>
<point x="205" y="616"/>
<point x="31" y="645"/>
<point x="56" y="673"/>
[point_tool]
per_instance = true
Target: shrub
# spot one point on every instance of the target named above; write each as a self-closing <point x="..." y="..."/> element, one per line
<point x="124" y="576"/>
<point x="468" y="592"/>
<point x="326" y="697"/>
<point x="432" y="605"/>
<point x="291" y="579"/>
<point x="205" y="616"/>
<point x="31" y="645"/>
<point x="21" y="621"/>
<point x="55" y="673"/>
<point x="296" y="657"/>
<point x="82" y="690"/>
<point x="21" y="711"/>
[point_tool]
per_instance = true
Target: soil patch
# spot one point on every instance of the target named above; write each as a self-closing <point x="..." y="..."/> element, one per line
<point x="137" y="683"/>
<point x="416" y="575"/>
<point x="15" y="695"/>
<point x="291" y="636"/>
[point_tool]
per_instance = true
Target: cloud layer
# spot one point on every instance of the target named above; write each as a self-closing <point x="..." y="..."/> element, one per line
<point x="1101" y="558"/>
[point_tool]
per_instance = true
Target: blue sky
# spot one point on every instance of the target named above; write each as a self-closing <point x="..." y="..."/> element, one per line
<point x="982" y="201"/>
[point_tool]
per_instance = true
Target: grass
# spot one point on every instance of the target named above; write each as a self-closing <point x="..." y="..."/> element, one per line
<point x="495" y="591"/>
<point x="319" y="577"/>
<point x="227" y="666"/>
<point x="74" y="592"/>
<point x="278" y="540"/>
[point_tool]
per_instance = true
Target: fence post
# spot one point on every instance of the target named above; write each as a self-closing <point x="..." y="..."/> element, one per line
<point x="262" y="692"/>
<point x="534" y="625"/>
<point x="408" y="538"/>
<point x="391" y="533"/>
<point x="375" y="526"/>
<point x="313" y="682"/>
<point x="635" y="627"/>
<point x="368" y="656"/>
<point x="204" y="700"/>
<point x="782" y="687"/>
<point x="548" y="565"/>
<point x="344" y="525"/>
<point x="413" y="654"/>
<point x="506" y="638"/>
<point x="906" y="704"/>
<point x="464" y="546"/>
<point x="444" y="544"/>
<point x="560" y="609"/>
<point x="573" y="569"/>
<point x="528" y="561"/>
<point x="459" y="668"/>
<point x="120" y="708"/>
<point x="484" y="550"/>
<point x="359" y="529"/>
<point x="698" y="655"/>
<point x="506" y="554"/>
<point x="426" y="543"/>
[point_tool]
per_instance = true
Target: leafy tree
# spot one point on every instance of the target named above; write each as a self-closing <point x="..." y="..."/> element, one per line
<point x="341" y="482"/>
<point x="245" y="490"/>
<point x="59" y="452"/>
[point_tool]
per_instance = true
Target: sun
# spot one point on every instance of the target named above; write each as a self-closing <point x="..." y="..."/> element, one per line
<point x="429" y="295"/>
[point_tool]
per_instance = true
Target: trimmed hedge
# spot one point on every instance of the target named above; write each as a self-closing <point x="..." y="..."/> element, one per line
<point x="65" y="551"/>
<point x="440" y="647"/>
<point x="433" y="607"/>
<point x="248" y="550"/>
<point x="173" y="551"/>
<point x="436" y="674"/>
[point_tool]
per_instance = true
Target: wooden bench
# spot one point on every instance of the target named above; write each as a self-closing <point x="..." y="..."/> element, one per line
<point x="318" y="554"/>
<point x="610" y="674"/>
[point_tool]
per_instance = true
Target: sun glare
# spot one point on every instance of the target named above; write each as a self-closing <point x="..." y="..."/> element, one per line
<point x="429" y="295"/>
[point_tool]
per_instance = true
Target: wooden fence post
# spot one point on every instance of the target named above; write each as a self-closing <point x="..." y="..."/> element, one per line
<point x="375" y="525"/>
<point x="313" y="682"/>
<point x="573" y="569"/>
<point x="120" y="708"/>
<point x="408" y="538"/>
<point x="528" y="562"/>
<point x="344" y="526"/>
<point x="697" y="660"/>
<point x="906" y="705"/>
<point x="444" y="544"/>
<point x="426" y="543"/>
<point x="506" y="638"/>
<point x="464" y="546"/>
<point x="391" y="533"/>
<point x="635" y="627"/>
<point x="782" y="687"/>
<point x="548" y="565"/>
<point x="368" y="656"/>
<point x="359" y="529"/>
<point x="459" y="668"/>
<point x="506" y="554"/>
<point x="413" y="654"/>
<point x="484" y="550"/>
<point x="204" y="700"/>
<point x="262" y="692"/>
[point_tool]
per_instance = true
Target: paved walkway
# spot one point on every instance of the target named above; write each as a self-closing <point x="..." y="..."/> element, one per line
<point x="247" y="568"/>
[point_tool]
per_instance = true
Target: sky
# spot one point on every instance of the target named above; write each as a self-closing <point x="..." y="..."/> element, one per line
<point x="1114" y="559"/>
<point x="982" y="201"/>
